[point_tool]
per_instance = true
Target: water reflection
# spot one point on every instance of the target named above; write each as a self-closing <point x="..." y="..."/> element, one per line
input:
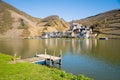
<point x="82" y="46"/>
<point x="92" y="57"/>
<point x="107" y="50"/>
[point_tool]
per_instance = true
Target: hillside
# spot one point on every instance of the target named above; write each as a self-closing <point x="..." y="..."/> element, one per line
<point x="15" y="23"/>
<point x="54" y="23"/>
<point x="107" y="24"/>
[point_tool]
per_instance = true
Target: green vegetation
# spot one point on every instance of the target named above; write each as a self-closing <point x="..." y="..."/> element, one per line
<point x="29" y="71"/>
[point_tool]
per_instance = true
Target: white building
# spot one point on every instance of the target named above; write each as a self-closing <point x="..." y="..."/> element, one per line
<point x="78" y="30"/>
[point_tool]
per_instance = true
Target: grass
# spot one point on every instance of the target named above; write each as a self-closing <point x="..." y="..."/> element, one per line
<point x="29" y="71"/>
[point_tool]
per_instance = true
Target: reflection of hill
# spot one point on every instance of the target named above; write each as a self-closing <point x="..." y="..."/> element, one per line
<point x="107" y="50"/>
<point x="10" y="46"/>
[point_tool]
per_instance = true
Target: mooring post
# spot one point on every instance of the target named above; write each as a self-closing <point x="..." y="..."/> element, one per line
<point x="60" y="60"/>
<point x="36" y="54"/>
<point x="60" y="66"/>
<point x="54" y="54"/>
<point x="45" y="51"/>
<point x="14" y="58"/>
<point x="50" y="62"/>
<point x="45" y="58"/>
<point x="45" y="61"/>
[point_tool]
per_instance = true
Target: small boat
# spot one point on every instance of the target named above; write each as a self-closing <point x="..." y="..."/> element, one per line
<point x="103" y="38"/>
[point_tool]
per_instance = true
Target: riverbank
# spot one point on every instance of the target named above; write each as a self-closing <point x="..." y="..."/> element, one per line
<point x="29" y="71"/>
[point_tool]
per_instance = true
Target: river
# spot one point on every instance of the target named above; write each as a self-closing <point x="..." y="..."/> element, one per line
<point x="98" y="59"/>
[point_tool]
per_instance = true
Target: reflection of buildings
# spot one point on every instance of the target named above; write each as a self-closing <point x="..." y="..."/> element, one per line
<point x="51" y="42"/>
<point x="54" y="44"/>
<point x="83" y="46"/>
<point x="28" y="47"/>
<point x="46" y="42"/>
<point x="75" y="46"/>
<point x="88" y="44"/>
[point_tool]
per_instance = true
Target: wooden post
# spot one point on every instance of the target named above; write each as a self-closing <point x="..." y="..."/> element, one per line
<point x="45" y="51"/>
<point x="60" y="66"/>
<point x="45" y="61"/>
<point x="14" y="58"/>
<point x="60" y="60"/>
<point x="54" y="54"/>
<point x="50" y="62"/>
<point x="45" y="58"/>
<point x="36" y="54"/>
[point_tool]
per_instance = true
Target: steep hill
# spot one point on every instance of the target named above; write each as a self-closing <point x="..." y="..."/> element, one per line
<point x="107" y="24"/>
<point x="54" y="23"/>
<point x="15" y="23"/>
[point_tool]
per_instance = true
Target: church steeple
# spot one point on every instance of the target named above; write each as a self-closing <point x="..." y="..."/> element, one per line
<point x="71" y="26"/>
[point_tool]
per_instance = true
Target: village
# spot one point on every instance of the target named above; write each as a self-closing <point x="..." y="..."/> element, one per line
<point x="76" y="30"/>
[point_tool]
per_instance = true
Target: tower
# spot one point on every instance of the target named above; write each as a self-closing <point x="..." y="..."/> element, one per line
<point x="71" y="25"/>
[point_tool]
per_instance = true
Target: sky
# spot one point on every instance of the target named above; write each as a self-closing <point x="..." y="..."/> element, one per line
<point x="67" y="9"/>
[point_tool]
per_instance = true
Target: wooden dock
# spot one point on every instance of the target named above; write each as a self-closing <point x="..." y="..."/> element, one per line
<point x="51" y="58"/>
<point x="40" y="58"/>
<point x="48" y="57"/>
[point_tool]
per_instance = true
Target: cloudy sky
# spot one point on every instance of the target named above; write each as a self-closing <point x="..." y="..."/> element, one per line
<point x="67" y="9"/>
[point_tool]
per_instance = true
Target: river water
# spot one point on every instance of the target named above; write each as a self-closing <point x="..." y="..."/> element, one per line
<point x="99" y="59"/>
